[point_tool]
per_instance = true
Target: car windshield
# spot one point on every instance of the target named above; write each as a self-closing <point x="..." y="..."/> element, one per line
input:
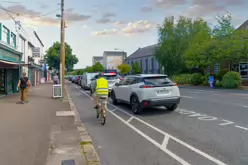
<point x="158" y="80"/>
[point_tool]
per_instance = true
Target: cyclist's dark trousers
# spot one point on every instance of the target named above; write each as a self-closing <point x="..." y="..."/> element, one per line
<point x="55" y="82"/>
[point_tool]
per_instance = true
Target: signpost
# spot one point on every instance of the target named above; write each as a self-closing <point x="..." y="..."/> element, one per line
<point x="36" y="52"/>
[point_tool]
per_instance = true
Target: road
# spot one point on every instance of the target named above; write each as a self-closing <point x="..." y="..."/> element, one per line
<point x="210" y="127"/>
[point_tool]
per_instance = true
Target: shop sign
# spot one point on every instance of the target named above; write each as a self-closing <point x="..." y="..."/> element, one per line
<point x="36" y="52"/>
<point x="9" y="56"/>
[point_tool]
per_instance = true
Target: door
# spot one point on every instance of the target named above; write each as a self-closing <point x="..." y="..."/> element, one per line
<point x="119" y="89"/>
<point x="128" y="88"/>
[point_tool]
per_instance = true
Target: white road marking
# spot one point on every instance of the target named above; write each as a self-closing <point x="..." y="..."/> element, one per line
<point x="189" y="97"/>
<point x="112" y="110"/>
<point x="245" y="106"/>
<point x="129" y="120"/>
<point x="227" y="122"/>
<point x="65" y="113"/>
<point x="244" y="128"/>
<point x="165" y="142"/>
<point x="165" y="134"/>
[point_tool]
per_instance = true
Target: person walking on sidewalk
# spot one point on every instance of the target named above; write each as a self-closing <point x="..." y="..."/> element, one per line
<point x="56" y="79"/>
<point x="23" y="84"/>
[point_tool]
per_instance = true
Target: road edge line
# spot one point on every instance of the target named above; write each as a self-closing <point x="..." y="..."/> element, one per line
<point x="86" y="144"/>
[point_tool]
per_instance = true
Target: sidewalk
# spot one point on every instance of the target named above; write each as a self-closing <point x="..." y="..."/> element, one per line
<point x="26" y="130"/>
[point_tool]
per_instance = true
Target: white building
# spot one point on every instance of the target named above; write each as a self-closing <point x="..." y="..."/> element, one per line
<point x="111" y="59"/>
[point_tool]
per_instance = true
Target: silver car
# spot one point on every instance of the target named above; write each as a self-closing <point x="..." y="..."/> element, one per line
<point x="86" y="80"/>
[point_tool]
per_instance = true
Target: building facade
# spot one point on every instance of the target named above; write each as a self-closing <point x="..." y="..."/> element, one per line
<point x="112" y="59"/>
<point x="10" y="60"/>
<point x="96" y="59"/>
<point x="145" y="57"/>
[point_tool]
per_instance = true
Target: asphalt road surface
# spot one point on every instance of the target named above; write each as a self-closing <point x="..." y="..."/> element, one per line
<point x="210" y="127"/>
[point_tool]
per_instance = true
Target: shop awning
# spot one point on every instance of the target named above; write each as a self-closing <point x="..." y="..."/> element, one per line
<point x="32" y="66"/>
<point x="10" y="63"/>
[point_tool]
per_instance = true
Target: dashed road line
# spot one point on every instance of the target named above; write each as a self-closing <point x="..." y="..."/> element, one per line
<point x="244" y="128"/>
<point x="130" y="119"/>
<point x="166" y="136"/>
<point x="245" y="106"/>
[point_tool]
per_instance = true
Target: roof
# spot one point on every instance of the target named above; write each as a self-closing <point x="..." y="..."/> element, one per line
<point x="115" y="53"/>
<point x="30" y="44"/>
<point x="142" y="52"/>
<point x="245" y="24"/>
<point x="36" y="35"/>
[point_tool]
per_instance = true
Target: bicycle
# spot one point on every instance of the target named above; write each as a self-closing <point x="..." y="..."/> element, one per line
<point x="100" y="112"/>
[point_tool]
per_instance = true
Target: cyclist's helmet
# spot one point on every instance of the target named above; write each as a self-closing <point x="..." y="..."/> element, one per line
<point x="100" y="75"/>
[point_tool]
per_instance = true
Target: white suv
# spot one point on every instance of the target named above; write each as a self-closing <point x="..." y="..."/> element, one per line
<point x="146" y="90"/>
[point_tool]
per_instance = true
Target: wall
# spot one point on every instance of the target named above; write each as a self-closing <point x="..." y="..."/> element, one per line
<point x="146" y="68"/>
<point x="113" y="61"/>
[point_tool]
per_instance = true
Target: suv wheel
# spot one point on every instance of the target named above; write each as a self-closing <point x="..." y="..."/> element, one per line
<point x="115" y="102"/>
<point x="135" y="105"/>
<point x="172" y="107"/>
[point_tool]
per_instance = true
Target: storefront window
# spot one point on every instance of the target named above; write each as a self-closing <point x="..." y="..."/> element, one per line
<point x="2" y="85"/>
<point x="243" y="69"/>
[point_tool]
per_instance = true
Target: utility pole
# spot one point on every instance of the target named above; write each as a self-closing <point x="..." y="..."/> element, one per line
<point x="62" y="49"/>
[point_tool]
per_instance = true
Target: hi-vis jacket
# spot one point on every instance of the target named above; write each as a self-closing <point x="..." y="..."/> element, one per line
<point x="102" y="87"/>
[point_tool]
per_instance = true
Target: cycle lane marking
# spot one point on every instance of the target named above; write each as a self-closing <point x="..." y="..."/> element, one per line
<point x="166" y="135"/>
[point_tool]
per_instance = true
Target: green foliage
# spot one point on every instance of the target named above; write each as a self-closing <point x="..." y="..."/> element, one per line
<point x="231" y="80"/>
<point x="53" y="57"/>
<point x="196" y="78"/>
<point x="218" y="84"/>
<point x="182" y="79"/>
<point x="224" y="26"/>
<point x="89" y="69"/>
<point x="97" y="67"/>
<point x="124" y="68"/>
<point x="221" y="73"/>
<point x="136" y="69"/>
<point x="175" y="39"/>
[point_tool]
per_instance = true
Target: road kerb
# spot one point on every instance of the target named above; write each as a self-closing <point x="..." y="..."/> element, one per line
<point x="89" y="151"/>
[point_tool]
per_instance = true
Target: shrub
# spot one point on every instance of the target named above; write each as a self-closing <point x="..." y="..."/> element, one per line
<point x="221" y="73"/>
<point x="196" y="78"/>
<point x="182" y="79"/>
<point x="231" y="80"/>
<point x="218" y="84"/>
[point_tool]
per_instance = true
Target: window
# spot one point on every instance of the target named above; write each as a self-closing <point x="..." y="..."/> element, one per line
<point x="243" y="69"/>
<point x="22" y="45"/>
<point x="13" y="40"/>
<point x="5" y="35"/>
<point x="158" y="80"/>
<point x="146" y="64"/>
<point x="152" y="64"/>
<point x="127" y="80"/>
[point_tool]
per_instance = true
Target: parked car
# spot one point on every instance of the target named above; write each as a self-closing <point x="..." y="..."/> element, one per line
<point x="112" y="78"/>
<point x="74" y="79"/>
<point x="146" y="90"/>
<point x="79" y="80"/>
<point x="86" y="80"/>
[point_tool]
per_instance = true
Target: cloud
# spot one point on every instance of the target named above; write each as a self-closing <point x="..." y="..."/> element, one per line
<point x="119" y="23"/>
<point x="201" y="8"/>
<point x="105" y="32"/>
<point x="146" y="8"/>
<point x="34" y="18"/>
<point x="105" y="18"/>
<point x="169" y="3"/>
<point x="137" y="27"/>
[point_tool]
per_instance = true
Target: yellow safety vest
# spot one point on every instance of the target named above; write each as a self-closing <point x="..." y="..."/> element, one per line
<point x="102" y="87"/>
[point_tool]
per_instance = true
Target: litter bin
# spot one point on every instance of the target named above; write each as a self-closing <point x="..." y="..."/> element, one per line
<point x="57" y="91"/>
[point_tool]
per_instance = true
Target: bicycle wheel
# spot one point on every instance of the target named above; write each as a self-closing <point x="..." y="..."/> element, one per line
<point x="103" y="118"/>
<point x="97" y="113"/>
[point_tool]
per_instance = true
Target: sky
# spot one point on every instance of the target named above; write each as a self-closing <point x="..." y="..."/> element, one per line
<point x="98" y="25"/>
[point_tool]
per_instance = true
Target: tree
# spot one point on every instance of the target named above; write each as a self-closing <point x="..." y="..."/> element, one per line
<point x="174" y="40"/>
<point x="224" y="26"/>
<point x="98" y="67"/>
<point x="124" y="68"/>
<point x="53" y="57"/>
<point x="89" y="69"/>
<point x="136" y="69"/>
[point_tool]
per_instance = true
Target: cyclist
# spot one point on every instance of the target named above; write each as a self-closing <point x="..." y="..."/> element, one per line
<point x="101" y="90"/>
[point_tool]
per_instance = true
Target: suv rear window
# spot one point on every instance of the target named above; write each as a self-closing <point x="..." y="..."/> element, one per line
<point x="158" y="80"/>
